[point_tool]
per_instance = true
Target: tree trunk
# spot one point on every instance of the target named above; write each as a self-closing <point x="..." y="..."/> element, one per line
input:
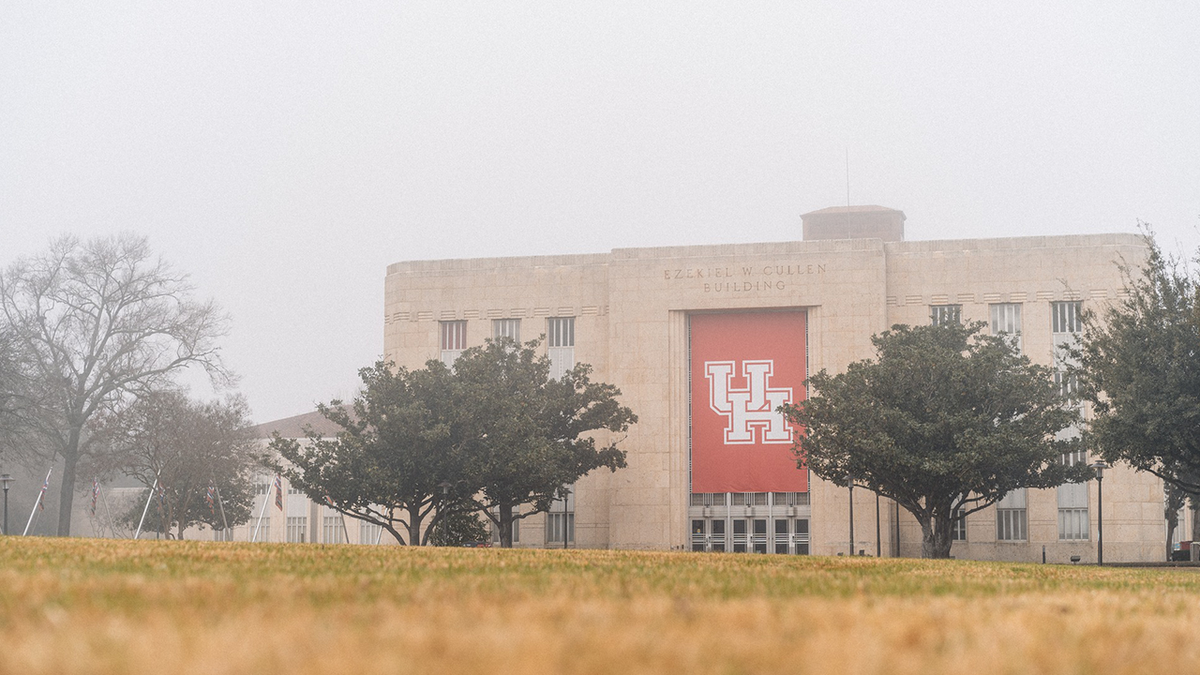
<point x="66" y="499"/>
<point x="414" y="526"/>
<point x="1172" y="523"/>
<point x="506" y="521"/>
<point x="935" y="536"/>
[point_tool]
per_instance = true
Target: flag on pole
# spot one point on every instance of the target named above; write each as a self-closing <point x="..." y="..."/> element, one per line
<point x="329" y="501"/>
<point x="42" y="495"/>
<point x="278" y="492"/>
<point x="162" y="498"/>
<point x="95" y="494"/>
<point x="209" y="497"/>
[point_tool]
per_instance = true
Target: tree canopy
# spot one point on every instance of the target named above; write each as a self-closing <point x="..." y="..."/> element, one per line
<point x="945" y="421"/>
<point x="489" y="435"/>
<point x="94" y="325"/>
<point x="395" y="447"/>
<point x="184" y="447"/>
<point x="1138" y="363"/>
<point x="526" y="436"/>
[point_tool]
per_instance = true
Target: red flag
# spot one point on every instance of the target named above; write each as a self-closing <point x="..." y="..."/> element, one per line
<point x="278" y="492"/>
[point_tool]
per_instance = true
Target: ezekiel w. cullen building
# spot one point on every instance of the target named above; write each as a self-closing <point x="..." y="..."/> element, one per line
<point x="705" y="341"/>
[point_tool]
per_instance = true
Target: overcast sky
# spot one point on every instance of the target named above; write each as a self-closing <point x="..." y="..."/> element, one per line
<point x="284" y="153"/>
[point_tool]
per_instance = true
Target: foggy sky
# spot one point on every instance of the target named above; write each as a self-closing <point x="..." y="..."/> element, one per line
<point x="284" y="153"/>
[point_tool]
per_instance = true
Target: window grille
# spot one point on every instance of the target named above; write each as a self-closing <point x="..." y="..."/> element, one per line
<point x="264" y="528"/>
<point x="453" y="340"/>
<point x="1067" y="384"/>
<point x="958" y="526"/>
<point x="1066" y="317"/>
<point x="560" y="332"/>
<point x="1006" y="320"/>
<point x="296" y="528"/>
<point x="1072" y="524"/>
<point x="943" y="315"/>
<point x="790" y="498"/>
<point x="1073" y="510"/>
<point x="369" y="533"/>
<point x="1011" y="517"/>
<point x="554" y="527"/>
<point x="331" y="530"/>
<point x="507" y="328"/>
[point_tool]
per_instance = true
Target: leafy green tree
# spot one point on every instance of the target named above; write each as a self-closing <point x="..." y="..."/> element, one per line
<point x="524" y="436"/>
<point x="184" y="447"/>
<point x="1138" y="363"/>
<point x="1139" y="366"/>
<point x="460" y="525"/>
<point x="395" y="447"/>
<point x="945" y="421"/>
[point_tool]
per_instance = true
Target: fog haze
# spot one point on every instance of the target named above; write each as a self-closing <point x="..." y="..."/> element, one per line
<point x="284" y="154"/>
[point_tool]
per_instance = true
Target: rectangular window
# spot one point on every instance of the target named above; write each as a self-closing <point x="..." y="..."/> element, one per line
<point x="781" y="536"/>
<point x="560" y="343"/>
<point x="263" y="526"/>
<point x="453" y="340"/>
<point x="331" y="530"/>
<point x="223" y="535"/>
<point x="789" y="498"/>
<point x="297" y="527"/>
<point x="944" y="315"/>
<point x="1067" y="385"/>
<point x="1066" y="317"/>
<point x="1076" y="456"/>
<point x="1006" y="320"/>
<point x="561" y="517"/>
<point x="1072" y="511"/>
<point x="739" y="536"/>
<point x="958" y="526"/>
<point x="369" y="533"/>
<point x="1011" y="518"/>
<point x="506" y="328"/>
<point x="554" y="527"/>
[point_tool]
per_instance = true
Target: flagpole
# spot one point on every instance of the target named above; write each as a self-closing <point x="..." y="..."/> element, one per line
<point x="112" y="525"/>
<point x="41" y="496"/>
<point x="148" y="499"/>
<point x="266" y="500"/>
<point x="221" y="506"/>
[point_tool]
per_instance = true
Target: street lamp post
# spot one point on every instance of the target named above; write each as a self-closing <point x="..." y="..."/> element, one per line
<point x="6" y="479"/>
<point x="1099" y="466"/>
<point x="850" y="484"/>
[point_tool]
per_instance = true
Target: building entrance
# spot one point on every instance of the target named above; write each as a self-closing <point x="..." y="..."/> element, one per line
<point x="750" y="522"/>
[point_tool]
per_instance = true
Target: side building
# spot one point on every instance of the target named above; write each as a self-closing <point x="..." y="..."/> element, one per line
<point x="705" y="341"/>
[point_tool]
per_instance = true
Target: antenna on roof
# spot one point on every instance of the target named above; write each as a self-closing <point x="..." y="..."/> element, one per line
<point x="848" y="192"/>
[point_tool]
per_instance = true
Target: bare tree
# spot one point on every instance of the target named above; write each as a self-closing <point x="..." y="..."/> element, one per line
<point x="185" y="447"/>
<point x="97" y="324"/>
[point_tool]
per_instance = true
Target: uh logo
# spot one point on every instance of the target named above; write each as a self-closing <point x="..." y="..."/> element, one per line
<point x="750" y="408"/>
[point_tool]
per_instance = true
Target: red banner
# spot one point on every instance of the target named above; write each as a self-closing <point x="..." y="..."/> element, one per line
<point x="744" y="366"/>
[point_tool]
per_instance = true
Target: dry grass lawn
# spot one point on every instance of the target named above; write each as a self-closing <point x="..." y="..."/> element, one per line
<point x="101" y="606"/>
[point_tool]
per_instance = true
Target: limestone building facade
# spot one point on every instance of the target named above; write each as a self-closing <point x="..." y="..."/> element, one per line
<point x="642" y="317"/>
